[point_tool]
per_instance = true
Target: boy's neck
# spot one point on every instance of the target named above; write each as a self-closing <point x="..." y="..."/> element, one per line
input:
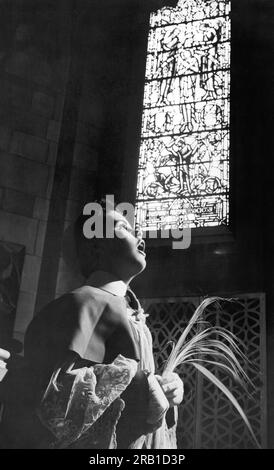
<point x="107" y="281"/>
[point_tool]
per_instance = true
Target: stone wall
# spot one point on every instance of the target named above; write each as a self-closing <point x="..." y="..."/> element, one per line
<point x="33" y="70"/>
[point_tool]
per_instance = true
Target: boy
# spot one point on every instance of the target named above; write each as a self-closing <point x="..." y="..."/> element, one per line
<point x="88" y="379"/>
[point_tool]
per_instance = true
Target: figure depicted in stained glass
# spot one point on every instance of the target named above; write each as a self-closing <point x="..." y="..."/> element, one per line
<point x="179" y="158"/>
<point x="169" y="43"/>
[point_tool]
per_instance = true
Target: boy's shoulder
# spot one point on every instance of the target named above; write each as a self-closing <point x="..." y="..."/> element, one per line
<point x="86" y="294"/>
<point x="81" y="302"/>
<point x="69" y="321"/>
<point x="93" y="298"/>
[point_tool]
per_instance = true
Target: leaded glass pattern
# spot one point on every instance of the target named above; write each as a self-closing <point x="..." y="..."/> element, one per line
<point x="183" y="172"/>
<point x="207" y="419"/>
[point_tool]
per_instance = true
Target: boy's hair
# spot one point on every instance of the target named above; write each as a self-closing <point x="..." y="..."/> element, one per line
<point x="86" y="249"/>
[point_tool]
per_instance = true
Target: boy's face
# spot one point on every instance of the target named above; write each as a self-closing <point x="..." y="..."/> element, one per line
<point x="123" y="255"/>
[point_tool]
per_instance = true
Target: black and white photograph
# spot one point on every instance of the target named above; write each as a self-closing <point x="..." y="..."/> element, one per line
<point x="137" y="228"/>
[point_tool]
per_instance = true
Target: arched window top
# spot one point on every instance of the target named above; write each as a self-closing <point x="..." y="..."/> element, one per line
<point x="183" y="172"/>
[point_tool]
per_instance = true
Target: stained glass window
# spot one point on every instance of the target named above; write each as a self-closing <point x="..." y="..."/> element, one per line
<point x="183" y="173"/>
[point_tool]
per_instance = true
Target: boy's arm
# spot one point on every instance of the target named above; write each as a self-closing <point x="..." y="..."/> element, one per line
<point x="79" y="393"/>
<point x="74" y="342"/>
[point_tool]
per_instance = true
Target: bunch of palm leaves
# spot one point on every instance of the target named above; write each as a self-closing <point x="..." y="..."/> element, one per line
<point x="215" y="346"/>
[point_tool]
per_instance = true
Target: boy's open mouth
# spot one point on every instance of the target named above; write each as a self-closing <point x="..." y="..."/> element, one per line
<point x="141" y="247"/>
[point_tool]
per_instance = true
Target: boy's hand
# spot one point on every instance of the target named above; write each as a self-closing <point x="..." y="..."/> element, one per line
<point x="173" y="388"/>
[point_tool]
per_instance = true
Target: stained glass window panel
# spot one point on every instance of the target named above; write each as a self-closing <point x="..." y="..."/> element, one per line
<point x="183" y="173"/>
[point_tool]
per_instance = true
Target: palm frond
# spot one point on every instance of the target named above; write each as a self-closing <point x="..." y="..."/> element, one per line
<point x="229" y="395"/>
<point x="196" y="316"/>
<point x="213" y="346"/>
